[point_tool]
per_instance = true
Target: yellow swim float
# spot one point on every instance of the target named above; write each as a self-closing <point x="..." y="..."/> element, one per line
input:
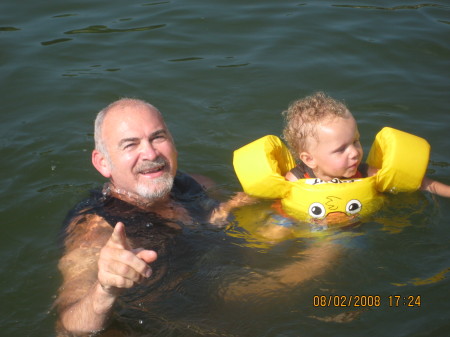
<point x="401" y="159"/>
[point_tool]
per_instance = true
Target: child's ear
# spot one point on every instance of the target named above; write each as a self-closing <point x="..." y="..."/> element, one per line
<point x="101" y="163"/>
<point x="308" y="160"/>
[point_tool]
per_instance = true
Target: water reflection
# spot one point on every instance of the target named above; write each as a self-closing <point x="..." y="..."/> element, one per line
<point x="221" y="282"/>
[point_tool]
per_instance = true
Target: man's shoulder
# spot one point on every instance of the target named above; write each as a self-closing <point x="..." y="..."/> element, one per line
<point x="88" y="205"/>
<point x="193" y="195"/>
<point x="204" y="181"/>
<point x="186" y="186"/>
<point x="84" y="214"/>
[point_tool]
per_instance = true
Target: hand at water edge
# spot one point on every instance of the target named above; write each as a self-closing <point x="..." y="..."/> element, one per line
<point x="120" y="266"/>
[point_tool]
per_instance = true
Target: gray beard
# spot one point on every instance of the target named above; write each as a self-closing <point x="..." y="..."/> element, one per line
<point x="157" y="189"/>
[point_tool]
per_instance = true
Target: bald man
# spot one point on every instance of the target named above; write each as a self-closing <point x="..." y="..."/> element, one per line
<point x="112" y="240"/>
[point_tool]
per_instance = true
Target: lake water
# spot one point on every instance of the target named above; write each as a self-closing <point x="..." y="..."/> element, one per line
<point x="221" y="72"/>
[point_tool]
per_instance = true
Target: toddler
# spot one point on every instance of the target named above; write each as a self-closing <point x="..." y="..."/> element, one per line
<point x="324" y="138"/>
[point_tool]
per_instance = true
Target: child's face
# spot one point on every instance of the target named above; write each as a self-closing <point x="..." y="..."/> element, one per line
<point x="338" y="152"/>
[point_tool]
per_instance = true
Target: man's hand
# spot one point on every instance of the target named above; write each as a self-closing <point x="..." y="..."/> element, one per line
<point x="88" y="296"/>
<point x="121" y="267"/>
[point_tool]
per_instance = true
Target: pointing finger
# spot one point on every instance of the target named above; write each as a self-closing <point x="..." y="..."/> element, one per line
<point x="119" y="238"/>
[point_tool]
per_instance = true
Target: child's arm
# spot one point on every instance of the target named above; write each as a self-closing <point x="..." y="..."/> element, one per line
<point x="290" y="176"/>
<point x="428" y="184"/>
<point x="435" y="187"/>
<point x="308" y="265"/>
<point x="220" y="214"/>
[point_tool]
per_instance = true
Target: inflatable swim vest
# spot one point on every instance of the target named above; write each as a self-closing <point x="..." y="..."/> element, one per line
<point x="401" y="159"/>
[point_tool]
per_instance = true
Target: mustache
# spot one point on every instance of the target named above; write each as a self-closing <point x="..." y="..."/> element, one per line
<point x="147" y="165"/>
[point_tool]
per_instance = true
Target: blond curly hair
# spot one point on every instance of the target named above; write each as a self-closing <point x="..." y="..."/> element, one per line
<point x="302" y="117"/>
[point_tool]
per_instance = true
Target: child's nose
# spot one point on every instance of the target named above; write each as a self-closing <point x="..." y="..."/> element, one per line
<point x="354" y="153"/>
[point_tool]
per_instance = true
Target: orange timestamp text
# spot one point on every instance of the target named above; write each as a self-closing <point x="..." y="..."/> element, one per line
<point x="366" y="300"/>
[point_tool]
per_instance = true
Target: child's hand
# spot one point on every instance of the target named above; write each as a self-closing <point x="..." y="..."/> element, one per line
<point x="435" y="187"/>
<point x="219" y="216"/>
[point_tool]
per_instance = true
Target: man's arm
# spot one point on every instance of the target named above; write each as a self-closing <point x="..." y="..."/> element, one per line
<point x="98" y="265"/>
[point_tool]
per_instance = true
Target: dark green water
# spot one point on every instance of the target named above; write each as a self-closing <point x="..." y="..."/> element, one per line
<point x="221" y="72"/>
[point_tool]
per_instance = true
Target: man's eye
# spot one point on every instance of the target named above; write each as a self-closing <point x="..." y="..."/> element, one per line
<point x="159" y="138"/>
<point x="128" y="146"/>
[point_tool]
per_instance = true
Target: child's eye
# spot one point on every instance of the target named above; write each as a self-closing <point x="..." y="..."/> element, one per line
<point x="341" y="149"/>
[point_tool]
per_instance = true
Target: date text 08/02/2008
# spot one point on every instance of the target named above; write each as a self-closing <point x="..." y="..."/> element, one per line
<point x="409" y="301"/>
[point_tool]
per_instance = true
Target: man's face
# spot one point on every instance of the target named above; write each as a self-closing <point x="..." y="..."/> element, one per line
<point x="142" y="155"/>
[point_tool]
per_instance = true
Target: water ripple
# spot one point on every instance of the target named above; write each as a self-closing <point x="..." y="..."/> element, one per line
<point x="234" y="65"/>
<point x="187" y="59"/>
<point x="156" y="3"/>
<point x="8" y="29"/>
<point x="392" y="8"/>
<point x="47" y="43"/>
<point x="101" y="29"/>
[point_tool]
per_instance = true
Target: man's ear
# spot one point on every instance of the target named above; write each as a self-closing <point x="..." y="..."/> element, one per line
<point x="308" y="160"/>
<point x="101" y="163"/>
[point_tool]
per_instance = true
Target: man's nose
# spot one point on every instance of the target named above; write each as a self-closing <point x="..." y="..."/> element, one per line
<point x="148" y="151"/>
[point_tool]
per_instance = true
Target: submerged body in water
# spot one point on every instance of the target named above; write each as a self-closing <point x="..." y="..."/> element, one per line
<point x="199" y="272"/>
<point x="90" y="224"/>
